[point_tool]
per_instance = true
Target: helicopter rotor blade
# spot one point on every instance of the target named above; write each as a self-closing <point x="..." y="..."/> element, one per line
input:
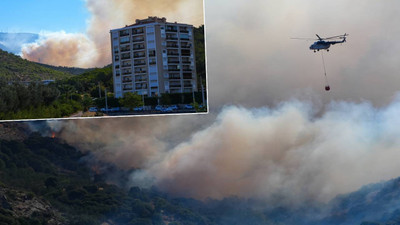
<point x="337" y="37"/>
<point x="308" y="39"/>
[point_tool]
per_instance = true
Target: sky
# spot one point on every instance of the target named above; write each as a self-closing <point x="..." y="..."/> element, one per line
<point x="34" y="16"/>
<point x="272" y="129"/>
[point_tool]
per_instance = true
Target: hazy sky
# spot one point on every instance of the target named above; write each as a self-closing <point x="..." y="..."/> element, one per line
<point x="37" y="15"/>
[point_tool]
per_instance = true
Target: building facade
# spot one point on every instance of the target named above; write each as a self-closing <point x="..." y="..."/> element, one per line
<point x="152" y="57"/>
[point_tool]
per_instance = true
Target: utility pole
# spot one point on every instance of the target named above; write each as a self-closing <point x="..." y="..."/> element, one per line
<point x="202" y="92"/>
<point x="143" y="99"/>
<point x="193" y="86"/>
<point x="105" y="90"/>
<point x="99" y="90"/>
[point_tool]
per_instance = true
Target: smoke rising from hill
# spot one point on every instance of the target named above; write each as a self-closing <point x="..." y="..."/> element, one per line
<point x="61" y="48"/>
<point x="93" y="48"/>
<point x="285" y="155"/>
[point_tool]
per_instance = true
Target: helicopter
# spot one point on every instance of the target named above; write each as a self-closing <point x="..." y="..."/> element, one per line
<point x="321" y="44"/>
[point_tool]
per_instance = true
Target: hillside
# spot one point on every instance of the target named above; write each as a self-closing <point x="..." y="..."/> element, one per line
<point x="71" y="70"/>
<point x="14" y="68"/>
<point x="42" y="178"/>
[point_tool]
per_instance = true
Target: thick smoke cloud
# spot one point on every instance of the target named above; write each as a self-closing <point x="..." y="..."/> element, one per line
<point x="93" y="48"/>
<point x="60" y="48"/>
<point x="285" y="152"/>
<point x="285" y="155"/>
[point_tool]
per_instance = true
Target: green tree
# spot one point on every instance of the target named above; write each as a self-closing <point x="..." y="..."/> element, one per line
<point x="165" y="99"/>
<point x="86" y="102"/>
<point x="131" y="100"/>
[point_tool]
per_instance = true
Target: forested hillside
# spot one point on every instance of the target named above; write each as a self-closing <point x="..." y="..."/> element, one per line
<point x="14" y="68"/>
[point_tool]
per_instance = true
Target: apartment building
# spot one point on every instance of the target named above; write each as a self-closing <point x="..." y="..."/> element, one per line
<point x="152" y="57"/>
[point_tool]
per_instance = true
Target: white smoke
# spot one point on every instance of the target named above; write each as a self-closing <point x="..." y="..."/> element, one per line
<point x="288" y="154"/>
<point x="285" y="152"/>
<point x="62" y="49"/>
<point x="92" y="49"/>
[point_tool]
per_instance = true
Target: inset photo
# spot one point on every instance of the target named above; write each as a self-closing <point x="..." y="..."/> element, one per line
<point x="123" y="60"/>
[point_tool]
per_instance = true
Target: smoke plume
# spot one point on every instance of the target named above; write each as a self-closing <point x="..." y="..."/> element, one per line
<point x="93" y="48"/>
<point x="285" y="154"/>
<point x="62" y="49"/>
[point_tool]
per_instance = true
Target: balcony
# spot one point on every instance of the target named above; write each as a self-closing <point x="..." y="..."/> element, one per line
<point x="187" y="84"/>
<point x="186" y="53"/>
<point x="126" y="72"/>
<point x="137" y="31"/>
<point x="123" y="33"/>
<point x="140" y="63"/>
<point x="125" y="49"/>
<point x="173" y="61"/>
<point x="126" y="80"/>
<point x="171" y="37"/>
<point x="186" y="46"/>
<point x="138" y="39"/>
<point x="183" y="30"/>
<point x="171" y="29"/>
<point x="175" y="85"/>
<point x="138" y="47"/>
<point x="173" y="68"/>
<point x="140" y="71"/>
<point x="139" y="55"/>
<point x="174" y="77"/>
<point x="186" y="61"/>
<point x="125" y="56"/>
<point x="187" y="76"/>
<point x="126" y="65"/>
<point x="140" y="86"/>
<point x="172" y="53"/>
<point x="172" y="45"/>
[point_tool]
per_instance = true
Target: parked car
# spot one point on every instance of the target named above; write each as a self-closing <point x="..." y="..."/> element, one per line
<point x="188" y="106"/>
<point x="173" y="107"/>
<point x="158" y="108"/>
<point x="168" y="109"/>
<point x="93" y="109"/>
<point x="136" y="109"/>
